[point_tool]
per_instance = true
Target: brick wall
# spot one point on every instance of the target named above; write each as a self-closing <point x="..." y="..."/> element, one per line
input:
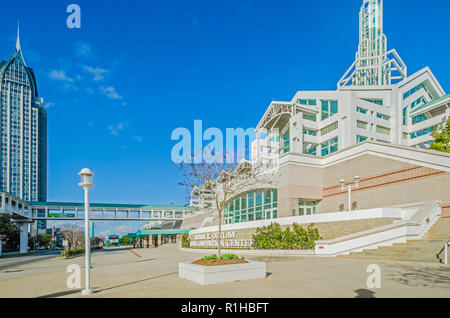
<point x="446" y="210"/>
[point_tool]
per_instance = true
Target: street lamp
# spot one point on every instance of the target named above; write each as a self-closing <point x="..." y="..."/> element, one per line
<point x="86" y="183"/>
<point x="349" y="187"/>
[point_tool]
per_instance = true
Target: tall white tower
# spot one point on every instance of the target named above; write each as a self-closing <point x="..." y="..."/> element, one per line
<point x="374" y="65"/>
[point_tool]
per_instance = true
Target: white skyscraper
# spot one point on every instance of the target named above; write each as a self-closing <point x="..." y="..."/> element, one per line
<point x="23" y="131"/>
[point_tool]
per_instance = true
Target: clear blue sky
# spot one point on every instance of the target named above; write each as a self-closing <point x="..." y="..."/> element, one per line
<point x="136" y="70"/>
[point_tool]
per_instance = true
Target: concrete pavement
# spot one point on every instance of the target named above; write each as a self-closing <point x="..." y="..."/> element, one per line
<point x="121" y="273"/>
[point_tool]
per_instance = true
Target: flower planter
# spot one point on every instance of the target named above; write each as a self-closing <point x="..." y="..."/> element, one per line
<point x="209" y="275"/>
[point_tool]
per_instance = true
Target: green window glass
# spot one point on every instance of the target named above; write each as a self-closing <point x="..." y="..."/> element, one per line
<point x="383" y="130"/>
<point x="259" y="196"/>
<point x="309" y="131"/>
<point x="361" y="110"/>
<point x="329" y="128"/>
<point x="243" y="203"/>
<point x="360" y="139"/>
<point x="251" y="199"/>
<point x="419" y="119"/>
<point x="309" y="117"/>
<point x="286" y="141"/>
<point x="267" y="196"/>
<point x="307" y="102"/>
<point x="382" y="116"/>
<point x="405" y="116"/>
<point x="376" y="101"/>
<point x="329" y="108"/>
<point x="274" y="195"/>
<point x="361" y="124"/>
<point x="329" y="146"/>
<point x="307" y="207"/>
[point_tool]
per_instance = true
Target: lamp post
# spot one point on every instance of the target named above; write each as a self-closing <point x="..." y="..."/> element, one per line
<point x="349" y="187"/>
<point x="86" y="183"/>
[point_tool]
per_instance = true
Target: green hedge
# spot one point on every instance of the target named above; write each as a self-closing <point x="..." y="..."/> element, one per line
<point x="67" y="253"/>
<point x="273" y="237"/>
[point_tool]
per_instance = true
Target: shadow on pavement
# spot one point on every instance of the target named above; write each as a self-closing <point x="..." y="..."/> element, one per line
<point x="364" y="293"/>
<point x="146" y="260"/>
<point x="412" y="276"/>
<point x="135" y="282"/>
<point x="64" y="293"/>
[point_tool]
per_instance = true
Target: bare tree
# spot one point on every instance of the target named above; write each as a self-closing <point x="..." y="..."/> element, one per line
<point x="73" y="234"/>
<point x="224" y="183"/>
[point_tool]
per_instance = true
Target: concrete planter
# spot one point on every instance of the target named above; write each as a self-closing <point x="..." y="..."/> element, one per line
<point x="209" y="275"/>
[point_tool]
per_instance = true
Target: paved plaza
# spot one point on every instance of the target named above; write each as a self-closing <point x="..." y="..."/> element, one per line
<point x="120" y="272"/>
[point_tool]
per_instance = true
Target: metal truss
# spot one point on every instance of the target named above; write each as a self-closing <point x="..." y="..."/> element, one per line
<point x="374" y="65"/>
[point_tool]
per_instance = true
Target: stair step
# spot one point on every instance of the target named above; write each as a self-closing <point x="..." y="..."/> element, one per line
<point x="424" y="250"/>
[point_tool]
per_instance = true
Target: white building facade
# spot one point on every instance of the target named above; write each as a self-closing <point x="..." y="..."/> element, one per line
<point x="375" y="100"/>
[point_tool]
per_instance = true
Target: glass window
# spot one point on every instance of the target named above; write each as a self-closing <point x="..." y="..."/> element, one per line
<point x="419" y="119"/>
<point x="329" y="128"/>
<point x="360" y="139"/>
<point x="309" y="131"/>
<point x="383" y="130"/>
<point x="286" y="141"/>
<point x="377" y="101"/>
<point x="361" y="110"/>
<point x="382" y="116"/>
<point x="361" y="124"/>
<point x="236" y="211"/>
<point x="307" y="207"/>
<point x="413" y="90"/>
<point x="307" y="102"/>
<point x="329" y="108"/>
<point x="405" y="116"/>
<point x="309" y="117"/>
<point x="329" y="146"/>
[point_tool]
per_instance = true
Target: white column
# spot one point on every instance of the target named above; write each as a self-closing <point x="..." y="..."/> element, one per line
<point x="3" y="201"/>
<point x="87" y="245"/>
<point x="296" y="133"/>
<point x="23" y="227"/>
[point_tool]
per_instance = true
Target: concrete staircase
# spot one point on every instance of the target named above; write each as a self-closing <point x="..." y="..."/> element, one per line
<point x="423" y="250"/>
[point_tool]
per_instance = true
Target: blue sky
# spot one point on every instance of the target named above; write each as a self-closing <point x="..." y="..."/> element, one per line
<point x="136" y="70"/>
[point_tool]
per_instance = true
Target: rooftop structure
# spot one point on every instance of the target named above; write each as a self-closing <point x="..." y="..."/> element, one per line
<point x="375" y="100"/>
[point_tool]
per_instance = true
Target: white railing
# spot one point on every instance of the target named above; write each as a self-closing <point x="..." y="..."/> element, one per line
<point x="446" y="252"/>
<point x="399" y="232"/>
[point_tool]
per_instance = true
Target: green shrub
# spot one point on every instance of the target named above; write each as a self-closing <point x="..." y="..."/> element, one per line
<point x="210" y="258"/>
<point x="68" y="253"/>
<point x="229" y="256"/>
<point x="185" y="242"/>
<point x="274" y="237"/>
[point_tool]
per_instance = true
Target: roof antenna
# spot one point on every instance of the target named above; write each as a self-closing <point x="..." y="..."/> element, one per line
<point x="18" y="37"/>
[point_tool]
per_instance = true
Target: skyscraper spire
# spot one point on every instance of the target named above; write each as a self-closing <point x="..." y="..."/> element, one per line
<point x="18" y="37"/>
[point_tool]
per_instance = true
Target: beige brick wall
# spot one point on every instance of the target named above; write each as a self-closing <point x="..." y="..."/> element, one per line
<point x="446" y="209"/>
<point x="418" y="190"/>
